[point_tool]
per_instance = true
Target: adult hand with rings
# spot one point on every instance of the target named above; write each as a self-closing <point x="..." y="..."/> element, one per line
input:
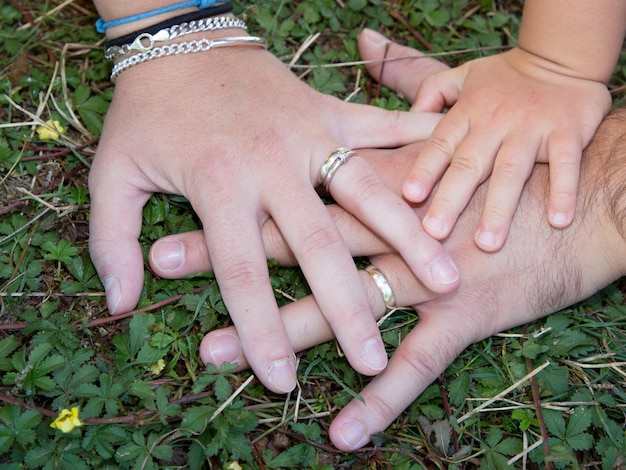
<point x="539" y="270"/>
<point x="241" y="152"/>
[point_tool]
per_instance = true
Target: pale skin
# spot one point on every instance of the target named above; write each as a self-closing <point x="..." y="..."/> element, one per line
<point x="540" y="102"/>
<point x="225" y="146"/>
<point x="241" y="152"/>
<point x="540" y="270"/>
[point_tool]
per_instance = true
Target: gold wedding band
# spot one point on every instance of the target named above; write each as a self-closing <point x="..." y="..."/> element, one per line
<point x="337" y="158"/>
<point x="383" y="286"/>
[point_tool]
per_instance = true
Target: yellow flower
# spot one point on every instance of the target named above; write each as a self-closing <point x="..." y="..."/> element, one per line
<point x="234" y="465"/>
<point x="157" y="367"/>
<point x="67" y="420"/>
<point x="51" y="130"/>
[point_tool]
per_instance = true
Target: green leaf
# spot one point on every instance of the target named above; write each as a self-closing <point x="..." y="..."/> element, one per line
<point x="104" y="439"/>
<point x="582" y="441"/>
<point x="310" y="431"/>
<point x="555" y="423"/>
<point x="139" y="332"/>
<point x="17" y="426"/>
<point x="554" y="379"/>
<point x="223" y="390"/>
<point x="509" y="446"/>
<point x="494" y="436"/>
<point x="7" y="346"/>
<point x="141" y="389"/>
<point x="62" y="251"/>
<point x="458" y="389"/>
<point x="579" y="421"/>
<point x="196" y="417"/>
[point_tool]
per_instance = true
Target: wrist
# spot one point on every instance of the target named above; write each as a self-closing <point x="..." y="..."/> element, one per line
<point x="141" y="17"/>
<point x="542" y="68"/>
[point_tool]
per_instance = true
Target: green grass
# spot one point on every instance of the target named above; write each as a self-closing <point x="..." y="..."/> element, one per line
<point x="59" y="349"/>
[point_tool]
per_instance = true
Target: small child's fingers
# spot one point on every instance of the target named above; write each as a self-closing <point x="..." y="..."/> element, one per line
<point x="435" y="157"/>
<point x="471" y="165"/>
<point x="514" y="164"/>
<point x="439" y="91"/>
<point x="564" y="155"/>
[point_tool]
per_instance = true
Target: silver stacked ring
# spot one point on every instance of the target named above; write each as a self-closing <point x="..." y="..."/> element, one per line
<point x="337" y="158"/>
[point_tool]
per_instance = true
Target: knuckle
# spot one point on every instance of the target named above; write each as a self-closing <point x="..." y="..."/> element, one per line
<point x="321" y="238"/>
<point x="467" y="164"/>
<point x="497" y="214"/>
<point x="566" y="159"/>
<point x="368" y="186"/>
<point x="382" y="406"/>
<point x="428" y="363"/>
<point x="353" y="314"/>
<point x="441" y="144"/>
<point x="244" y="274"/>
<point x="509" y="169"/>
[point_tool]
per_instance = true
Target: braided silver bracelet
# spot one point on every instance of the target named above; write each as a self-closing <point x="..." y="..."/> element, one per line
<point x="145" y="41"/>
<point x="189" y="47"/>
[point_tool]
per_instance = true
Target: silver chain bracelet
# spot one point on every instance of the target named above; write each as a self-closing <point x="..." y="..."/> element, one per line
<point x="145" y="41"/>
<point x="189" y="47"/>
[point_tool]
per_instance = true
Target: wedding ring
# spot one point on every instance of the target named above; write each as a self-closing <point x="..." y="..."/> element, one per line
<point x="337" y="158"/>
<point x="383" y="286"/>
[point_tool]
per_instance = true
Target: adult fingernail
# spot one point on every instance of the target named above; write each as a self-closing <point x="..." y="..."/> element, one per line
<point x="283" y="375"/>
<point x="433" y="224"/>
<point x="444" y="271"/>
<point x="168" y="255"/>
<point x="414" y="191"/>
<point x="375" y="37"/>
<point x="113" y="292"/>
<point x="373" y="354"/>
<point x="352" y="433"/>
<point x="486" y="239"/>
<point x="224" y="348"/>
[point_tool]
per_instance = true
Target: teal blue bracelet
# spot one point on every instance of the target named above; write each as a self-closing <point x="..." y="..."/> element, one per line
<point x="102" y="25"/>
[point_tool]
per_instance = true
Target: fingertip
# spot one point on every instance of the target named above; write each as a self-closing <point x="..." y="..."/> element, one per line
<point x="373" y="355"/>
<point x="414" y="190"/>
<point x="222" y="346"/>
<point x="373" y="37"/>
<point x="488" y="241"/>
<point x="166" y="256"/>
<point x="348" y="435"/>
<point x="444" y="273"/>
<point x="559" y="219"/>
<point x="435" y="227"/>
<point x="561" y="209"/>
<point x="113" y="292"/>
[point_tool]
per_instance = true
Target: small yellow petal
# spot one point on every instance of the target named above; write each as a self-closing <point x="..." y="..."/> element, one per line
<point x="52" y="130"/>
<point x="67" y="420"/>
<point x="157" y="367"/>
<point x="234" y="465"/>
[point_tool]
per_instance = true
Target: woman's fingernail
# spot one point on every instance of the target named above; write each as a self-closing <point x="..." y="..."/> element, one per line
<point x="373" y="354"/>
<point x="375" y="37"/>
<point x="352" y="433"/>
<point x="444" y="271"/>
<point x="282" y="374"/>
<point x="224" y="348"/>
<point x="113" y="292"/>
<point x="168" y="255"/>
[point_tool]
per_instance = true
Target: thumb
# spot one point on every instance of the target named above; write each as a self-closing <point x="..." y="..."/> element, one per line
<point x="114" y="228"/>
<point x="406" y="73"/>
